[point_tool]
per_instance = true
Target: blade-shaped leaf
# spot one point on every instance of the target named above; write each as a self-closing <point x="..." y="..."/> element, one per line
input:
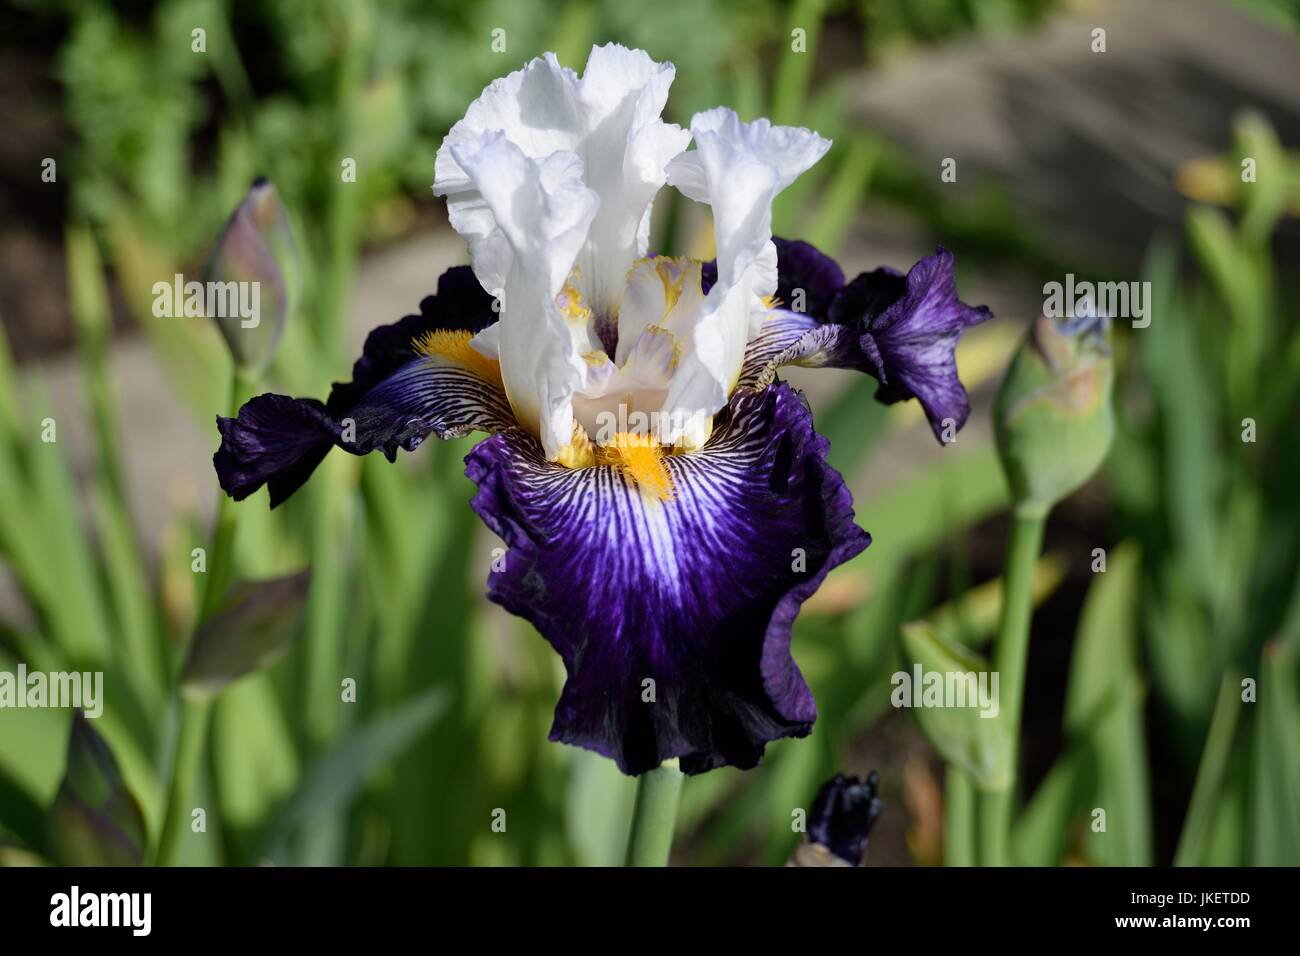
<point x="1103" y="711"/>
<point x="962" y="736"/>
<point x="1040" y="833"/>
<point x="598" y="810"/>
<point x="250" y="632"/>
<point x="1275" y="840"/>
<point x="331" y="783"/>
<point x="1264" y="196"/>
<point x="95" y="821"/>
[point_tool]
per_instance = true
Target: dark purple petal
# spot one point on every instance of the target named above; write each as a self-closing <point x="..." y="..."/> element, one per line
<point x="807" y="279"/>
<point x="843" y="814"/>
<point x="903" y="330"/>
<point x="460" y="303"/>
<point x="697" y="593"/>
<point x="396" y="398"/>
<point x="279" y="440"/>
<point x="708" y="275"/>
<point x="868" y="296"/>
<point x="275" y="440"/>
<point x="909" y="330"/>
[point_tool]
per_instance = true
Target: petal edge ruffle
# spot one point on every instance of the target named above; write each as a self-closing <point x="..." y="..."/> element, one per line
<point x="697" y="594"/>
<point x="901" y="329"/>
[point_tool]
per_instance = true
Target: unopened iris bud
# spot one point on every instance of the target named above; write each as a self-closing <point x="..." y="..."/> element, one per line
<point x="251" y="278"/>
<point x="1053" y="414"/>
<point x="843" y="814"/>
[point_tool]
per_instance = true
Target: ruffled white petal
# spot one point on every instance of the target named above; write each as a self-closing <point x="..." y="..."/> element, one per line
<point x="601" y="132"/>
<point x="540" y="213"/>
<point x="535" y="106"/>
<point x="550" y="177"/>
<point x="609" y="118"/>
<point x="626" y="147"/>
<point x="738" y="169"/>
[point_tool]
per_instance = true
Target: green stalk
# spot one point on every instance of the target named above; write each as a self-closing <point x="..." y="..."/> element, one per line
<point x="958" y="818"/>
<point x="220" y="559"/>
<point x="221" y="555"/>
<point x="1010" y="655"/>
<point x="654" y="816"/>
<point x="1209" y="777"/>
<point x="190" y="738"/>
<point x="195" y="714"/>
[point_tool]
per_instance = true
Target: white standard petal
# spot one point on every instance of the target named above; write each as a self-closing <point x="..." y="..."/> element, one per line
<point x="626" y="150"/>
<point x="536" y="108"/>
<point x="738" y="169"/>
<point x="541" y="213"/>
<point x="609" y="118"/>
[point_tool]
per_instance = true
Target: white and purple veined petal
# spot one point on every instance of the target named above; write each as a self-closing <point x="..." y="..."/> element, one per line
<point x="673" y="617"/>
<point x="415" y="377"/>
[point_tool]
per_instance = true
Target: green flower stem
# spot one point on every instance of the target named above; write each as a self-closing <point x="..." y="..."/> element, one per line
<point x="220" y="559"/>
<point x="1209" y="778"/>
<point x="221" y="554"/>
<point x="1010" y="655"/>
<point x="195" y="713"/>
<point x="190" y="738"/>
<point x="958" y="818"/>
<point x="654" y="817"/>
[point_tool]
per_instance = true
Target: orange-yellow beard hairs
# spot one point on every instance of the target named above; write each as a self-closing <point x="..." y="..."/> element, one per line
<point x="452" y="347"/>
<point x="641" y="458"/>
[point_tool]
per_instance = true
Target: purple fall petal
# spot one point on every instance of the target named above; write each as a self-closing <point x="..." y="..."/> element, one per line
<point x="395" y="399"/>
<point x="909" y="327"/>
<point x="696" y="594"/>
<point x="460" y="303"/>
<point x="901" y="329"/>
<point x="843" y="813"/>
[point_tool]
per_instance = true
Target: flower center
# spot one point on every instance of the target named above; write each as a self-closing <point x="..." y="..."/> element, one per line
<point x="625" y="392"/>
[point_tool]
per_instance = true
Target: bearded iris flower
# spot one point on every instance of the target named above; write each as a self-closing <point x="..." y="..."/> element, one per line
<point x="665" y="502"/>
